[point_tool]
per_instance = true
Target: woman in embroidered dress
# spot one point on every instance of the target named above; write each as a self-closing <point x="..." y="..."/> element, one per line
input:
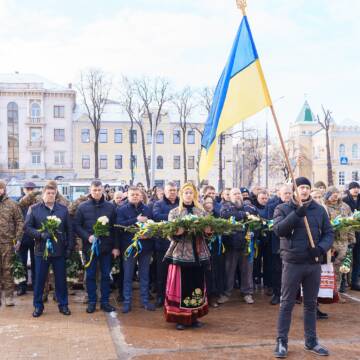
<point x="189" y="257"/>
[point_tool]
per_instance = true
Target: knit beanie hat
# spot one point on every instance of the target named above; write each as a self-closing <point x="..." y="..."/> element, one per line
<point x="243" y="189"/>
<point x="354" y="185"/>
<point x="302" y="181"/>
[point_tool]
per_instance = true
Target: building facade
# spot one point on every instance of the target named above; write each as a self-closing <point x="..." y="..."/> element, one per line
<point x="309" y="141"/>
<point x="35" y="128"/>
<point x="115" y="155"/>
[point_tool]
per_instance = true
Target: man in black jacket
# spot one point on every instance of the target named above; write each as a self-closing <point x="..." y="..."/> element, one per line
<point x="161" y="211"/>
<point x="57" y="248"/>
<point x="130" y="214"/>
<point x="86" y="216"/>
<point x="353" y="200"/>
<point x="301" y="263"/>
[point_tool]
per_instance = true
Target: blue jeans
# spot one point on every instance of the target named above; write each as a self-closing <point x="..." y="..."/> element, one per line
<point x="105" y="269"/>
<point x="41" y="274"/>
<point x="144" y="264"/>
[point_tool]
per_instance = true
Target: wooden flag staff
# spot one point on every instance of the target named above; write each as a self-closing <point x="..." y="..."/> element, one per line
<point x="242" y="6"/>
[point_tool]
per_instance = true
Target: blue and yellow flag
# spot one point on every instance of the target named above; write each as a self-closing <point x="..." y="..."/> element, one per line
<point x="240" y="93"/>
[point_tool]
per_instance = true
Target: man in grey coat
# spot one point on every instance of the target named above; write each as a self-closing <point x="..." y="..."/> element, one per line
<point x="301" y="263"/>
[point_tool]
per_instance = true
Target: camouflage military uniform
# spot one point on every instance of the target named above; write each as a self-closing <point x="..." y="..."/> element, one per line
<point x="11" y="231"/>
<point x="342" y="238"/>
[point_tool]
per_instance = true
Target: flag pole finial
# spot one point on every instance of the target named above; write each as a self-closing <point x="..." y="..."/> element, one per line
<point x="241" y="4"/>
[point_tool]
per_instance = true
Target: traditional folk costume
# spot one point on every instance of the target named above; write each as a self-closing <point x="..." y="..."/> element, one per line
<point x="189" y="256"/>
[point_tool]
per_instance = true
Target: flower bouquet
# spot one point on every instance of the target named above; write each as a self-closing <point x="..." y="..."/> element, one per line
<point x="100" y="228"/>
<point x="346" y="263"/>
<point x="18" y="270"/>
<point x="51" y="225"/>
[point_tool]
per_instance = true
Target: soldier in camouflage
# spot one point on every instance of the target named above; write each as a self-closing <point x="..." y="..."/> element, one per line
<point x="11" y="232"/>
<point x="343" y="239"/>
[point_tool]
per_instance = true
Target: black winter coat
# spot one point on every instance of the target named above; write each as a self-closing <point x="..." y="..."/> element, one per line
<point x="37" y="215"/>
<point x="126" y="215"/>
<point x="275" y="240"/>
<point x="354" y="205"/>
<point x="86" y="216"/>
<point x="294" y="242"/>
<point x="160" y="212"/>
<point x="236" y="240"/>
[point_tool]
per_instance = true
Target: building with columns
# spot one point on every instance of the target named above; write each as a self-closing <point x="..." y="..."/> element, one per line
<point x="35" y="128"/>
<point x="309" y="141"/>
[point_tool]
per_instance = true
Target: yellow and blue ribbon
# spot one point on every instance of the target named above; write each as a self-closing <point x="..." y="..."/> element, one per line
<point x="95" y="251"/>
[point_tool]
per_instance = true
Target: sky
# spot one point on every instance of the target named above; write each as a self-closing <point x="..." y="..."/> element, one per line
<point x="308" y="50"/>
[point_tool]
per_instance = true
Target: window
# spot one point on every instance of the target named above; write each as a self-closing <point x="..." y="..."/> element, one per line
<point x="191" y="162"/>
<point x="35" y="157"/>
<point x="133" y="136"/>
<point x="103" y="161"/>
<point x="148" y="137"/>
<point x="177" y="182"/>
<point x="133" y="161"/>
<point x="85" y="135"/>
<point x="59" y="134"/>
<point x="35" y="134"/>
<point x="118" y="162"/>
<point x="159" y="183"/>
<point x="176" y="162"/>
<point x="355" y="151"/>
<point x="341" y="150"/>
<point x="176" y="136"/>
<point x="13" y="135"/>
<point x="341" y="178"/>
<point x="355" y="176"/>
<point x="159" y="162"/>
<point x="160" y="137"/>
<point x="191" y="137"/>
<point x="59" y="157"/>
<point x="59" y="111"/>
<point x="35" y="110"/>
<point x="103" y="136"/>
<point x="85" y="162"/>
<point x="118" y="136"/>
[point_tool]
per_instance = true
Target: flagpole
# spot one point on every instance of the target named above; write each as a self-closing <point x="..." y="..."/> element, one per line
<point x="241" y="4"/>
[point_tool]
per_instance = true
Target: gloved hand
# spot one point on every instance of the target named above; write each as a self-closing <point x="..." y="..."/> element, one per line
<point x="45" y="235"/>
<point x="301" y="211"/>
<point x="315" y="252"/>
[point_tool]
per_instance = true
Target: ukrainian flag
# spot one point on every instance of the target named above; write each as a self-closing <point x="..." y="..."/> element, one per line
<point x="240" y="93"/>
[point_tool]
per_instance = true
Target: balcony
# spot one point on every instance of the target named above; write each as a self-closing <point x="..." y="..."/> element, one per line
<point x="39" y="144"/>
<point x="39" y="121"/>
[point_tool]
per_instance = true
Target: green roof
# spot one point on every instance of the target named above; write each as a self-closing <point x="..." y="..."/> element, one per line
<point x="306" y="115"/>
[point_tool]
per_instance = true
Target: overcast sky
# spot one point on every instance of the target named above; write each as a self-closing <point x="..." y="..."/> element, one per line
<point x="307" y="48"/>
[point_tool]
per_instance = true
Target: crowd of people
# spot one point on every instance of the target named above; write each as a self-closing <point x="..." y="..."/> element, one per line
<point x="186" y="274"/>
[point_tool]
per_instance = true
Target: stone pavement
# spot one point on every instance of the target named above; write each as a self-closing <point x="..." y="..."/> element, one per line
<point x="233" y="331"/>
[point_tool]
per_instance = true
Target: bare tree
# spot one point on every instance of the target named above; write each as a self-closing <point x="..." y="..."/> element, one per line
<point x="253" y="150"/>
<point x="128" y="102"/>
<point x="94" y="88"/>
<point x="326" y="124"/>
<point x="183" y="102"/>
<point x="152" y="95"/>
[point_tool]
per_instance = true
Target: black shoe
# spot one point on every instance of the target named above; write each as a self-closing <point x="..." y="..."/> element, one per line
<point x="281" y="349"/>
<point x="21" y="291"/>
<point x="91" y="308"/>
<point x="321" y="315"/>
<point x="64" y="310"/>
<point x="180" y="327"/>
<point x="159" y="302"/>
<point x="107" y="308"/>
<point x="37" y="312"/>
<point x="275" y="300"/>
<point x="197" y="324"/>
<point x="317" y="349"/>
<point x="149" y="307"/>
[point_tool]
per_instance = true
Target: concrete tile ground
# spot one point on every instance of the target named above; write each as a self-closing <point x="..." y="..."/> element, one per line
<point x="233" y="331"/>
